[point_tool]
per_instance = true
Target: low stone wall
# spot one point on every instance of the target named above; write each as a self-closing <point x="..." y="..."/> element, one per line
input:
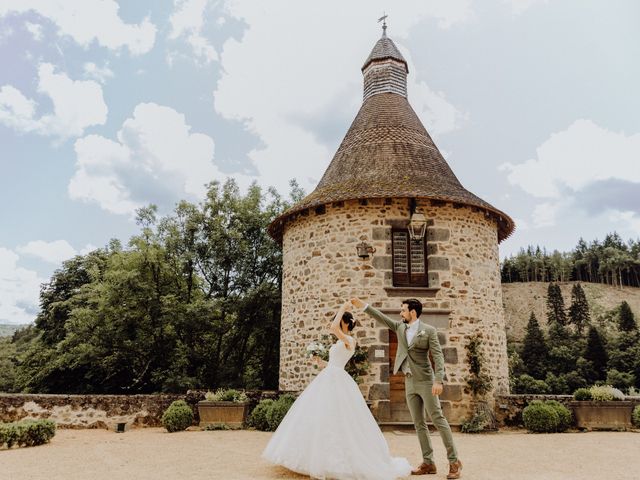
<point x="103" y="411"/>
<point x="508" y="408"/>
<point x="87" y="411"/>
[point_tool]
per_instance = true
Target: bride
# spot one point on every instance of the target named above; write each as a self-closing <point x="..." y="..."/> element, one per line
<point x="329" y="431"/>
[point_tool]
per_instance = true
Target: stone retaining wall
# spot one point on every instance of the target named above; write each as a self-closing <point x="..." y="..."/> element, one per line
<point x="87" y="411"/>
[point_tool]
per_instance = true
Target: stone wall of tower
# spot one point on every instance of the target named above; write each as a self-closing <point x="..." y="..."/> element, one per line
<point x="321" y="269"/>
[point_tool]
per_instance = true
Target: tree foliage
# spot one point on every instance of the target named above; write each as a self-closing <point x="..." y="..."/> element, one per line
<point x="193" y="300"/>
<point x="579" y="310"/>
<point x="611" y="261"/>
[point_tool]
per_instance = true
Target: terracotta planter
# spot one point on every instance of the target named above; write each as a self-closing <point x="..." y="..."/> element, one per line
<point x="614" y="415"/>
<point x="233" y="414"/>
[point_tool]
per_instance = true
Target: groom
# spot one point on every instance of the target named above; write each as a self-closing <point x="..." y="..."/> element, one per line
<point x="422" y="387"/>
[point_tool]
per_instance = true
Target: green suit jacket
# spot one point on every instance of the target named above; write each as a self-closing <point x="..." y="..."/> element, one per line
<point x="417" y="353"/>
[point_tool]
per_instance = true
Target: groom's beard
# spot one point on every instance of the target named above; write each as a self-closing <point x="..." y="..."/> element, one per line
<point x="404" y="320"/>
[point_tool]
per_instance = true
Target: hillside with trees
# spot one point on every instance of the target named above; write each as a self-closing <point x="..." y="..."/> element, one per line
<point x="611" y="262"/>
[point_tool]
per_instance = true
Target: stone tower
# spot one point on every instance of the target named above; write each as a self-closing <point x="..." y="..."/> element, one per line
<point x="386" y="176"/>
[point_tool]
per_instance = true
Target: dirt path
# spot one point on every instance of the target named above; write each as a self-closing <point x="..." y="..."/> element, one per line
<point x="154" y="454"/>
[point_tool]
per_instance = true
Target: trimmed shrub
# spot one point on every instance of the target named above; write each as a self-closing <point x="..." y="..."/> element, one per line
<point x="278" y="410"/>
<point x="177" y="417"/>
<point x="258" y="417"/>
<point x="582" y="394"/>
<point x="635" y="416"/>
<point x="27" y="433"/>
<point x="564" y="415"/>
<point x="540" y="418"/>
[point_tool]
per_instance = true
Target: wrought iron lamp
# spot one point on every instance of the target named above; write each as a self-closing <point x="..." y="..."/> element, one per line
<point x="364" y="249"/>
<point x="417" y="226"/>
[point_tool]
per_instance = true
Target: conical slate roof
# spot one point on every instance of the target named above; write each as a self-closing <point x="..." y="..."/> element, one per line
<point x="387" y="153"/>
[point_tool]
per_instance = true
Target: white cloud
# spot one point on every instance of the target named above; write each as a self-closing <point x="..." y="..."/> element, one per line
<point x="35" y="29"/>
<point x="77" y="105"/>
<point x="16" y="110"/>
<point x="19" y="290"/>
<point x="101" y="74"/>
<point x="576" y="157"/>
<point x="87" y="21"/>
<point x="187" y="21"/>
<point x="283" y="70"/>
<point x="53" y="252"/>
<point x="156" y="159"/>
<point x="577" y="163"/>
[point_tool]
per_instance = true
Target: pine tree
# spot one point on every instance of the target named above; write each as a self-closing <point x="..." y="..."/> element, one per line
<point x="627" y="320"/>
<point x="579" y="309"/>
<point x="596" y="353"/>
<point x="555" y="305"/>
<point x="534" y="349"/>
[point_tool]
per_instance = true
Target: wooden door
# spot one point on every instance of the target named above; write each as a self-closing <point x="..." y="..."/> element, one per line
<point x="399" y="409"/>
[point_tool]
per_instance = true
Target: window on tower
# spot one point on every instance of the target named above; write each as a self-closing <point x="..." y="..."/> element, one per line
<point x="409" y="260"/>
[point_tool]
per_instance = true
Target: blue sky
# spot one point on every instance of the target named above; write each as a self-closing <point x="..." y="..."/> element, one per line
<point x="106" y="106"/>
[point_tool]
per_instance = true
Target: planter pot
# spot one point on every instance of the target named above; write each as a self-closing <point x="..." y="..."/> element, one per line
<point x="233" y="414"/>
<point x="615" y="415"/>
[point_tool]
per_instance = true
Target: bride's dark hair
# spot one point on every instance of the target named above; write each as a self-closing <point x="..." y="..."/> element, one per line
<point x="347" y="318"/>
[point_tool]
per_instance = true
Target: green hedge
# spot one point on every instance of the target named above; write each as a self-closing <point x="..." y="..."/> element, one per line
<point x="547" y="417"/>
<point x="177" y="417"/>
<point x="27" y="433"/>
<point x="269" y="413"/>
<point x="635" y="416"/>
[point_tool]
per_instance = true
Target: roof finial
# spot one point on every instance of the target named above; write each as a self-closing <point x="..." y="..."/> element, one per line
<point x="383" y="19"/>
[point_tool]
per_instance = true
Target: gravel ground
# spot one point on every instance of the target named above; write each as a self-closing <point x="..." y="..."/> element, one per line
<point x="151" y="453"/>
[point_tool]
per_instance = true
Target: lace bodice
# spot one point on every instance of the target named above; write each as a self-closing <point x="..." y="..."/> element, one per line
<point x="339" y="354"/>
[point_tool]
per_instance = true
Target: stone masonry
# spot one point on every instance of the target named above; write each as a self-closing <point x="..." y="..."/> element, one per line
<point x="321" y="269"/>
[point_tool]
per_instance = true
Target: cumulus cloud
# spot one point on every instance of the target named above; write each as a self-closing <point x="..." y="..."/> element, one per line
<point x="269" y="82"/>
<point x="586" y="166"/>
<point x="187" y="21"/>
<point x="155" y="159"/>
<point x="53" y="252"/>
<point x="19" y="290"/>
<point x="86" y="21"/>
<point x="101" y="74"/>
<point x="35" y="29"/>
<point x="77" y="105"/>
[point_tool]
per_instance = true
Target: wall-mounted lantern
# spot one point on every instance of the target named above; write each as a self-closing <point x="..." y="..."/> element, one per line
<point x="364" y="250"/>
<point x="417" y="226"/>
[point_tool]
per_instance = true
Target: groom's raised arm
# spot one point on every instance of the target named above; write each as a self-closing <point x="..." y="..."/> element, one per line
<point x="377" y="314"/>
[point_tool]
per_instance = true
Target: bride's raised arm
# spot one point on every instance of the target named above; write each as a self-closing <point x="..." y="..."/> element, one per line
<point x="335" y="327"/>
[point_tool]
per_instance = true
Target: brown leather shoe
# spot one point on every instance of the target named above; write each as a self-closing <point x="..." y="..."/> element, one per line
<point x="455" y="470"/>
<point x="424" y="469"/>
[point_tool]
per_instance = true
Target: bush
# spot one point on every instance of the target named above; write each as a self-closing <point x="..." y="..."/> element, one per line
<point x="476" y="424"/>
<point x="177" y="417"/>
<point x="258" y="417"/>
<point x="582" y="394"/>
<point x="565" y="419"/>
<point x="27" y="433"/>
<point x="527" y="384"/>
<point x="226" y="395"/>
<point x="621" y="380"/>
<point x="278" y="410"/>
<point x="605" y="393"/>
<point x="540" y="418"/>
<point x="635" y="416"/>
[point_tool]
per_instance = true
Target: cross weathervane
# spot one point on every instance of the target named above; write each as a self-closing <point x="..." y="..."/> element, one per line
<point x="383" y="19"/>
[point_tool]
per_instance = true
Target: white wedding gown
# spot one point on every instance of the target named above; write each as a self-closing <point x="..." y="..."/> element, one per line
<point x="329" y="432"/>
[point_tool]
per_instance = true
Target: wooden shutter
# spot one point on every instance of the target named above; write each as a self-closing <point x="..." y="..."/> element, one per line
<point x="409" y="260"/>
